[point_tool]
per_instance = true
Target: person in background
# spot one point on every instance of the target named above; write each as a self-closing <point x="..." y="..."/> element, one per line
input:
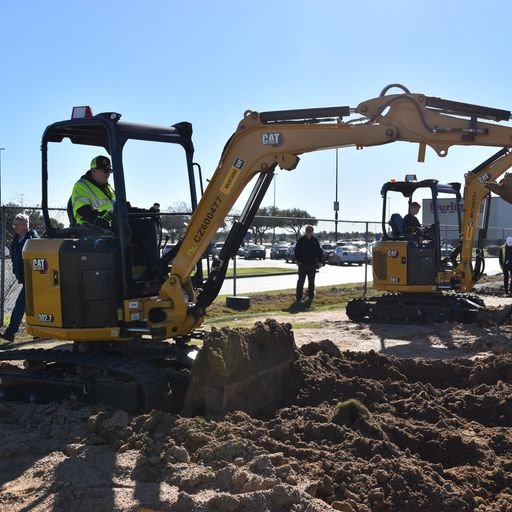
<point x="411" y="222"/>
<point x="308" y="254"/>
<point x="22" y="234"/>
<point x="155" y="210"/>
<point x="505" y="259"/>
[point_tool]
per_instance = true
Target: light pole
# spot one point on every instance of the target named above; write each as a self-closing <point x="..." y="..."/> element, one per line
<point x="336" y="203"/>
<point x="2" y="245"/>
<point x="274" y="212"/>
<point x="1" y="149"/>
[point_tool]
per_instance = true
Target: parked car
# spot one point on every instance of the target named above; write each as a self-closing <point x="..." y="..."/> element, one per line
<point x="216" y="248"/>
<point x="446" y="249"/>
<point x="253" y="251"/>
<point x="290" y="254"/>
<point x="240" y="251"/>
<point x="361" y="245"/>
<point x="168" y="247"/>
<point x="327" y="249"/>
<point x="347" y="255"/>
<point x="278" y="251"/>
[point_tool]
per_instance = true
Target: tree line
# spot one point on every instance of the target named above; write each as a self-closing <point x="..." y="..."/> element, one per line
<point x="176" y="218"/>
<point x="267" y="218"/>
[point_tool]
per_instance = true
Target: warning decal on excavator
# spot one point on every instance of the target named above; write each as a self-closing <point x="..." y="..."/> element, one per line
<point x="238" y="163"/>
<point x="232" y="175"/>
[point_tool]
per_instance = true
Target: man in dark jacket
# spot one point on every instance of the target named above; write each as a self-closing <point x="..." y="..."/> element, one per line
<point x="308" y="254"/>
<point x="505" y="260"/>
<point x="411" y="222"/>
<point x="23" y="233"/>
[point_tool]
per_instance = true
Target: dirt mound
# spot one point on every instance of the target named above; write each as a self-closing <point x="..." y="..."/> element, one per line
<point x="437" y="437"/>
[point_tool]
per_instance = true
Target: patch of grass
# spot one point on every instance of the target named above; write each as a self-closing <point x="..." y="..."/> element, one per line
<point x="350" y="412"/>
<point x="263" y="271"/>
<point x="308" y="325"/>
<point x="282" y="302"/>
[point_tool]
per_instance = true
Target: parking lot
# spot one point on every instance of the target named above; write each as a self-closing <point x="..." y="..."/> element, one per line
<point x="327" y="275"/>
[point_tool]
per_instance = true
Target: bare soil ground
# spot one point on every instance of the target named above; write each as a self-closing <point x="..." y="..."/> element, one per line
<point x="436" y="436"/>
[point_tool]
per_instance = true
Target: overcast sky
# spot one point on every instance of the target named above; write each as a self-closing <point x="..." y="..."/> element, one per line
<point x="161" y="62"/>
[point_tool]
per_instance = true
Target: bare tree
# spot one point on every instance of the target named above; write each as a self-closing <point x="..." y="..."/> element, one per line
<point x="261" y="223"/>
<point x="175" y="219"/>
<point x="296" y="219"/>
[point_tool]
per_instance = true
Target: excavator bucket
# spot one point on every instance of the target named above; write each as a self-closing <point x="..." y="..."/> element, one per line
<point x="503" y="188"/>
<point x="241" y="369"/>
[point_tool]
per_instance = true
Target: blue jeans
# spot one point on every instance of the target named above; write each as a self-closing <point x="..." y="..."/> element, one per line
<point x="17" y="314"/>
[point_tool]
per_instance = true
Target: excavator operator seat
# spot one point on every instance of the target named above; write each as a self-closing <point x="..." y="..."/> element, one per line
<point x="144" y="247"/>
<point x="397" y="225"/>
<point x="71" y="217"/>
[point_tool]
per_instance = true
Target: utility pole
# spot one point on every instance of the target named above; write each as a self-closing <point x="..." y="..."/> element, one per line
<point x="2" y="245"/>
<point x="274" y="211"/>
<point x="336" y="203"/>
<point x="1" y="149"/>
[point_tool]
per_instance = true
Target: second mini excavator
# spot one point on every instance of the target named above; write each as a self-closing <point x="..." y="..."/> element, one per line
<point x="421" y="282"/>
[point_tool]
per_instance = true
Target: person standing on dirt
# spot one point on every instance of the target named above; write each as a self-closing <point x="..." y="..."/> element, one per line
<point x="505" y="259"/>
<point x="308" y="254"/>
<point x="22" y="234"/>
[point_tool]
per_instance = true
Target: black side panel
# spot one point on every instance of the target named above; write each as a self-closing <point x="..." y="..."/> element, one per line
<point x="89" y="282"/>
<point x="421" y="265"/>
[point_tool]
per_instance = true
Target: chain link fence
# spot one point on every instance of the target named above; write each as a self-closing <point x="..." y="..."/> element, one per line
<point x="250" y="271"/>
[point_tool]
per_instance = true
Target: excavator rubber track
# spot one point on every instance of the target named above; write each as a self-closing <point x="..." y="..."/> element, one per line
<point x="55" y="375"/>
<point x="420" y="308"/>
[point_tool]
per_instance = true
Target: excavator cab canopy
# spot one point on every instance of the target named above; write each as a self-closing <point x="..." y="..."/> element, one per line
<point x="407" y="189"/>
<point x="109" y="134"/>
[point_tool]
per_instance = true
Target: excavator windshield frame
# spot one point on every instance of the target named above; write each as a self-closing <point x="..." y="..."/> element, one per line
<point x="107" y="132"/>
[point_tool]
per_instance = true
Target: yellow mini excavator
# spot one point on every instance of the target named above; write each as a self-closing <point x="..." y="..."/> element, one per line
<point x="130" y="333"/>
<point x="421" y="282"/>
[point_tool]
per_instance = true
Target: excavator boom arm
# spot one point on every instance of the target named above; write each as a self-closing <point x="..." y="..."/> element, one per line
<point x="264" y="140"/>
<point x="478" y="184"/>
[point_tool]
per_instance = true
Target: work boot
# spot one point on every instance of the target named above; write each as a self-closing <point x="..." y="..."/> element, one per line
<point x="6" y="336"/>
